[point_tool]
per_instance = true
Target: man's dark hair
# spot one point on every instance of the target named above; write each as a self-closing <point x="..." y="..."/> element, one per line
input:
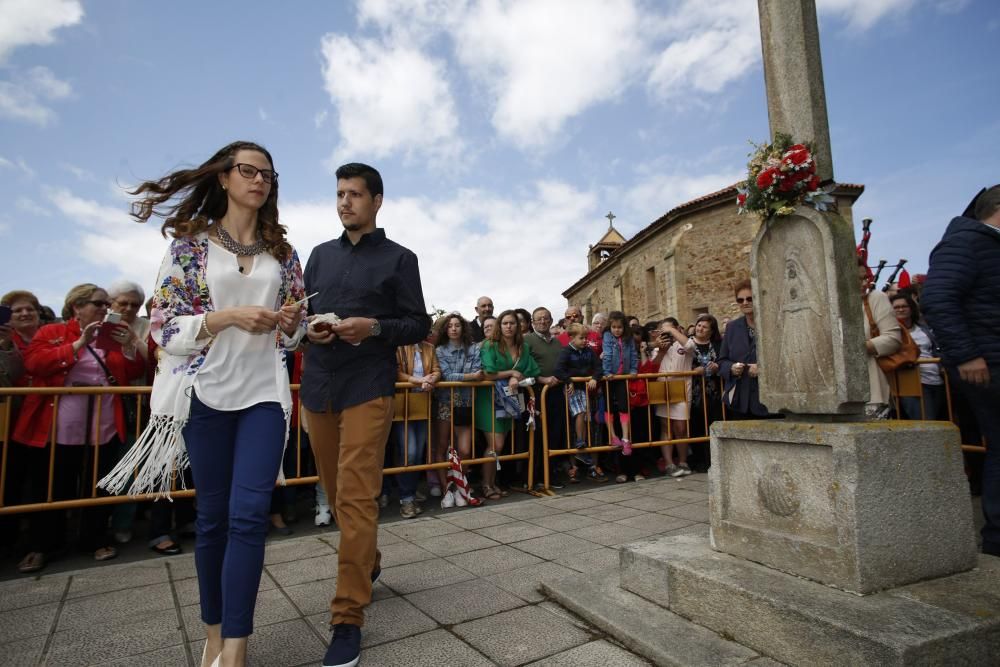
<point x="988" y="203"/>
<point x="373" y="179"/>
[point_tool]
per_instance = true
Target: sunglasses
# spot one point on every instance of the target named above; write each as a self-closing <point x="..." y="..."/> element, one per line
<point x="741" y="299"/>
<point x="99" y="303"/>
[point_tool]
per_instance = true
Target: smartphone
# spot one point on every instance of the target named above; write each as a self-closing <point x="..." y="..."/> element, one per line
<point x="113" y="318"/>
<point x="5" y="313"/>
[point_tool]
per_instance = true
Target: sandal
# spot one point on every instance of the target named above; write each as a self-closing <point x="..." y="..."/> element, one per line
<point x="491" y="492"/>
<point x="33" y="562"/>
<point x="105" y="553"/>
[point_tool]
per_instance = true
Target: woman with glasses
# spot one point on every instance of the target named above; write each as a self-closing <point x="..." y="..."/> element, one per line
<point x="738" y="360"/>
<point x="66" y="354"/>
<point x="228" y="302"/>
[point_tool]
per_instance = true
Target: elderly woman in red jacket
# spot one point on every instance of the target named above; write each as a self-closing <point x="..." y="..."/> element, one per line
<point x="65" y="354"/>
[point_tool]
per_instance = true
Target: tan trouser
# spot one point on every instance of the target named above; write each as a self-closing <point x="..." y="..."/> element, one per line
<point x="349" y="447"/>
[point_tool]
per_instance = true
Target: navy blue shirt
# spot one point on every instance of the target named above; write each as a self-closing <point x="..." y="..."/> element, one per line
<point x="376" y="278"/>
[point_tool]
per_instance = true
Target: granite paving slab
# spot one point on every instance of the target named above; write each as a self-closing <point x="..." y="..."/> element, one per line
<point x="115" y="606"/>
<point x="272" y="607"/>
<point x="657" y="523"/>
<point x="464" y="601"/>
<point x="181" y="567"/>
<point x="513" y="532"/>
<point x="480" y="517"/>
<point x="522" y="635"/>
<point x="610" y="512"/>
<point x="432" y="649"/>
<point x="31" y="591"/>
<point x="695" y="512"/>
<point x="610" y="534"/>
<point x="104" y="642"/>
<point x="297" y="549"/>
<point x="171" y="655"/>
<point x="523" y="582"/>
<point x="565" y="522"/>
<point x="528" y="510"/>
<point x="599" y="560"/>
<point x="599" y="653"/>
<point x="28" y="622"/>
<point x="449" y="545"/>
<point x="285" y="644"/>
<point x="423" y="575"/>
<point x="301" y="571"/>
<point x="502" y="558"/>
<point x="614" y="494"/>
<point x="550" y="547"/>
<point x="21" y="652"/>
<point x="570" y="503"/>
<point x="403" y="553"/>
<point x="421" y="529"/>
<point x="385" y="621"/>
<point x="653" y="503"/>
<point x="115" y="577"/>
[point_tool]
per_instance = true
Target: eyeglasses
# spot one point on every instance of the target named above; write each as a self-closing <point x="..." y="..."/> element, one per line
<point x="250" y="172"/>
<point x="99" y="303"/>
<point x="741" y="299"/>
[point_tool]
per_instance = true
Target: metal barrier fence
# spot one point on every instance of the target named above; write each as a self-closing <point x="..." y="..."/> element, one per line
<point x="411" y="406"/>
<point x="415" y="406"/>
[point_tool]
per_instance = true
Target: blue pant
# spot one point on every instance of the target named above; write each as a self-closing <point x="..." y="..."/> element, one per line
<point x="235" y="456"/>
<point x="935" y="404"/>
<point x="415" y="436"/>
<point x="984" y="402"/>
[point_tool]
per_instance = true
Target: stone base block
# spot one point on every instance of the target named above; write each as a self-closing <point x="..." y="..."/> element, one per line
<point x="952" y="620"/>
<point x="861" y="506"/>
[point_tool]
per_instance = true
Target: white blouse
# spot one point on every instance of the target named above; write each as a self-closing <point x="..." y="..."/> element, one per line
<point x="239" y="370"/>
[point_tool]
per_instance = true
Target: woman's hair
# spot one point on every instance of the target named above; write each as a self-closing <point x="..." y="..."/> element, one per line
<point x="204" y="202"/>
<point x="442" y="331"/>
<point x="742" y="285"/>
<point x="498" y="340"/>
<point x="715" y="336"/>
<point x="639" y="331"/>
<point x="914" y="308"/>
<point x="9" y="298"/>
<point x="120" y="287"/>
<point x="77" y="296"/>
<point x="615" y="316"/>
<point x="523" y="312"/>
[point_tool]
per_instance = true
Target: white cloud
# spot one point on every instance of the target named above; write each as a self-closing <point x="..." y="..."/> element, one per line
<point x="863" y="14"/>
<point x="5" y="163"/>
<point x="264" y="116"/>
<point x="80" y="173"/>
<point x="477" y="242"/>
<point x="657" y="193"/>
<point x="320" y="118"/>
<point x="110" y="239"/>
<point x="389" y="98"/>
<point x="31" y="206"/>
<point x="24" y="22"/>
<point x="546" y="62"/>
<point x="25" y="96"/>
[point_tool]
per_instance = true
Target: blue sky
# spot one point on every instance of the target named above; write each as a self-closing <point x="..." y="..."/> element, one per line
<point x="504" y="131"/>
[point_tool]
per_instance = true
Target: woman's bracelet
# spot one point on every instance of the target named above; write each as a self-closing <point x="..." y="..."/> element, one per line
<point x="204" y="326"/>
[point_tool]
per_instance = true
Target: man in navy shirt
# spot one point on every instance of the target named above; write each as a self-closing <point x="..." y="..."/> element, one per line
<point x="348" y="380"/>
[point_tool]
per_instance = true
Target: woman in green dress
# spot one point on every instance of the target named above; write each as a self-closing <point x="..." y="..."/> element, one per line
<point x="504" y="357"/>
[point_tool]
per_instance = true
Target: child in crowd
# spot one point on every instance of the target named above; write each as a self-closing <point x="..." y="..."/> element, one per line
<point x="619" y="358"/>
<point x="578" y="360"/>
<point x="676" y="352"/>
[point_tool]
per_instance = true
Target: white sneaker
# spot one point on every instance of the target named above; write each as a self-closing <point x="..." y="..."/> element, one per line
<point x="448" y="501"/>
<point x="323" y="515"/>
<point x="639" y="477"/>
<point x="460" y="500"/>
<point x="435" y="490"/>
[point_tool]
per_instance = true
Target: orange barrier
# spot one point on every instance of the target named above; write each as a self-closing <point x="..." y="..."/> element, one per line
<point x="411" y="406"/>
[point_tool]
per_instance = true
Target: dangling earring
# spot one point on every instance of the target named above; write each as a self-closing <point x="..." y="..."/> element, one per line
<point x="224" y="187"/>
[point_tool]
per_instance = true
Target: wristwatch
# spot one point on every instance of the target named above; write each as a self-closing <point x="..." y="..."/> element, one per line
<point x="376" y="329"/>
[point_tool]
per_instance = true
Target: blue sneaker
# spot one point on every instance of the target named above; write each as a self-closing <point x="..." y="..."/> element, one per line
<point x="345" y="646"/>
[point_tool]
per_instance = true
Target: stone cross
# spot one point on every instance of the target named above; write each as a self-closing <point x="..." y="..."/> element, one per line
<point x="808" y="302"/>
<point x="793" y="74"/>
<point x="611" y="218"/>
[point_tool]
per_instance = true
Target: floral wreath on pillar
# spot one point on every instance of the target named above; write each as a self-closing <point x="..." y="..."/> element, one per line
<point x="782" y="175"/>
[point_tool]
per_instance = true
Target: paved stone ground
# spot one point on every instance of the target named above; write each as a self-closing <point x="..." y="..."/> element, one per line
<point x="458" y="587"/>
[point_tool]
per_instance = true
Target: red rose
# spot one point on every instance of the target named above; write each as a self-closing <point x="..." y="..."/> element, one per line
<point x="813" y="184"/>
<point x="741" y="200"/>
<point x="765" y="179"/>
<point x="786" y="184"/>
<point x="796" y="155"/>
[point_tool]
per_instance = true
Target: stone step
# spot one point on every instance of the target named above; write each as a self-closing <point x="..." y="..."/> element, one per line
<point x="645" y="628"/>
<point x="952" y="620"/>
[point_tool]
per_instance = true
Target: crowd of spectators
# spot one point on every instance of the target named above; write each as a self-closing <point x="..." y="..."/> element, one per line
<point x="588" y="404"/>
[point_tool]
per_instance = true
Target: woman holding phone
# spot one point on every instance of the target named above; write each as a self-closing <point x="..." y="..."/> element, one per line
<point x="228" y="302"/>
<point x="65" y="355"/>
<point x="738" y="360"/>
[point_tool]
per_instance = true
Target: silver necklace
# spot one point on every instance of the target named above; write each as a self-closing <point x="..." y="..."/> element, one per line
<point x="237" y="248"/>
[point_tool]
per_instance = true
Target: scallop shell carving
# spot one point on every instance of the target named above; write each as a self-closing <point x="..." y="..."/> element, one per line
<point x="778" y="491"/>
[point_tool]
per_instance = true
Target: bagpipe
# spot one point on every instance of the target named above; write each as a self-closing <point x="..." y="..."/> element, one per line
<point x="900" y="276"/>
